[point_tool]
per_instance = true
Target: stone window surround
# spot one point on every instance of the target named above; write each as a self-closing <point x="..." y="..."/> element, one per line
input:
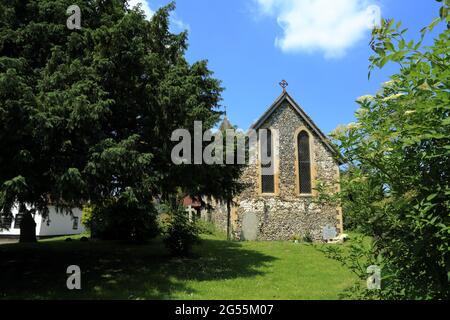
<point x="275" y="145"/>
<point x="312" y="166"/>
<point x="275" y="138"/>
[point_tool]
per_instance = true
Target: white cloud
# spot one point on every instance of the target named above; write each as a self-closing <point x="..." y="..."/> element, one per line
<point x="328" y="26"/>
<point x="144" y="6"/>
<point x="177" y="24"/>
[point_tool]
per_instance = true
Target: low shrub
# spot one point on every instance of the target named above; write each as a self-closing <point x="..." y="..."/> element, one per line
<point x="308" y="238"/>
<point x="181" y="234"/>
<point x="116" y="219"/>
<point x="205" y="227"/>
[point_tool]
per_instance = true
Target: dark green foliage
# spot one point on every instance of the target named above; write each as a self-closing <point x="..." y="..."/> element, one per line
<point x="307" y="238"/>
<point x="124" y="219"/>
<point x="181" y="233"/>
<point x="87" y="115"/>
<point x="357" y="192"/>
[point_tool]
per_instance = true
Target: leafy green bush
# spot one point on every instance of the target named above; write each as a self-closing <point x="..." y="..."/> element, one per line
<point x="181" y="234"/>
<point x="396" y="188"/>
<point x="120" y="219"/>
<point x="205" y="227"/>
<point x="86" y="218"/>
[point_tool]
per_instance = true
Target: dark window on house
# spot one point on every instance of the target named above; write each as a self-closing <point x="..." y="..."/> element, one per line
<point x="267" y="164"/>
<point x="304" y="163"/>
<point x="18" y="220"/>
<point x="5" y="222"/>
<point x="75" y="223"/>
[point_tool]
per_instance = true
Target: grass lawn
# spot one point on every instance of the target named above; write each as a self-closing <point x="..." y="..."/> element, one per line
<point x="218" y="270"/>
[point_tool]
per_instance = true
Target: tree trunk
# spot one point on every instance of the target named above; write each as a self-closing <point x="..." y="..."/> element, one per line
<point x="228" y="219"/>
<point x="27" y="227"/>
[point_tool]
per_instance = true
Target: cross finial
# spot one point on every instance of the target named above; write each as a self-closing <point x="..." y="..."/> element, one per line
<point x="284" y="84"/>
<point x="225" y="110"/>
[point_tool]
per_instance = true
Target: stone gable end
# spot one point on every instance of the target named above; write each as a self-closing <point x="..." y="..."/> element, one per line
<point x="286" y="214"/>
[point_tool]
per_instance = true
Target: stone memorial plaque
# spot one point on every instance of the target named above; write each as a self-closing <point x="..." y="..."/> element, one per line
<point x="329" y="233"/>
<point x="250" y="226"/>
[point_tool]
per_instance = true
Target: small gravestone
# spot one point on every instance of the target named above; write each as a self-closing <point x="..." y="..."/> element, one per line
<point x="250" y="227"/>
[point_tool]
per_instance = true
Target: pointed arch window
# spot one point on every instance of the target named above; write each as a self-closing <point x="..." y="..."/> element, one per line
<point x="267" y="163"/>
<point x="304" y="162"/>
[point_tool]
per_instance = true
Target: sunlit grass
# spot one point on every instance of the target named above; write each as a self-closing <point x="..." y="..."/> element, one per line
<point x="218" y="269"/>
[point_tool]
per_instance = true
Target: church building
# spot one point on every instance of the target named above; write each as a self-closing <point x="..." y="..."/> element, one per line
<point x="281" y="203"/>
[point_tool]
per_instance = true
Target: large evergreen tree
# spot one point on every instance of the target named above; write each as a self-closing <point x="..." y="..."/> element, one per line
<point x="87" y="115"/>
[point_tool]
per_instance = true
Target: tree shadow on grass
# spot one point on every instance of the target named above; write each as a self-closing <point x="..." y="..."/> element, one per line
<point x="118" y="271"/>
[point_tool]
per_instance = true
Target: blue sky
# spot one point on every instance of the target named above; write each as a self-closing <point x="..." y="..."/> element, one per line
<point x="319" y="46"/>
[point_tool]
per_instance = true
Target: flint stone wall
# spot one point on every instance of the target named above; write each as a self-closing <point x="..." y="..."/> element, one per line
<point x="286" y="214"/>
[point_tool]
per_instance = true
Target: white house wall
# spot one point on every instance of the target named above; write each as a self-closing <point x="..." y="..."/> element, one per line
<point x="58" y="224"/>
